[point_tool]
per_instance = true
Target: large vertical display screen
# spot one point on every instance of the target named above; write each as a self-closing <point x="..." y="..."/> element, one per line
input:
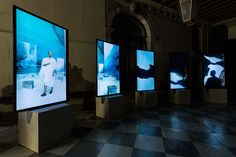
<point x="108" y="71"/>
<point x="145" y="70"/>
<point x="178" y="70"/>
<point x="40" y="61"/>
<point x="214" y="71"/>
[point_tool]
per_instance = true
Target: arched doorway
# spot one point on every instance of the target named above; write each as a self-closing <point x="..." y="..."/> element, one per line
<point x="130" y="34"/>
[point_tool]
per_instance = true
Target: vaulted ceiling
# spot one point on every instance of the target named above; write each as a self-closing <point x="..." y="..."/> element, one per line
<point x="211" y="11"/>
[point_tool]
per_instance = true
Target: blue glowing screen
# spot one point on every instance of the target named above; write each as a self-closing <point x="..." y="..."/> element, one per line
<point x="108" y="72"/>
<point x="145" y="70"/>
<point x="214" y="71"/>
<point x="40" y="61"/>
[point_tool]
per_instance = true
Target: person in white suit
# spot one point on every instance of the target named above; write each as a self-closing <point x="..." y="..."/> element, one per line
<point x="48" y="72"/>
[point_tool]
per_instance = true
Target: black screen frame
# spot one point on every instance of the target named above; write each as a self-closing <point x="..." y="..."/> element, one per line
<point x="106" y="95"/>
<point x="154" y="58"/>
<point x="203" y="72"/>
<point x="187" y="84"/>
<point x="15" y="8"/>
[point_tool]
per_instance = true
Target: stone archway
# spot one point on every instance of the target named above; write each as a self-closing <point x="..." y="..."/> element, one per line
<point x="139" y="38"/>
<point x="147" y="29"/>
<point x="140" y="18"/>
<point x="130" y="33"/>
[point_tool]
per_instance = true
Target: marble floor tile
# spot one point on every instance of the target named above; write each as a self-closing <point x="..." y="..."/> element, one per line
<point x="85" y="149"/>
<point x="146" y="153"/>
<point x="149" y="143"/>
<point x="175" y="134"/>
<point x="179" y="147"/>
<point x="110" y="150"/>
<point x="213" y="150"/>
<point x="124" y="139"/>
<point x="64" y="146"/>
<point x="99" y="135"/>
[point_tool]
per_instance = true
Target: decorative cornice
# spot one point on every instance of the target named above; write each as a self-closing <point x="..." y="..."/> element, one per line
<point x="150" y="7"/>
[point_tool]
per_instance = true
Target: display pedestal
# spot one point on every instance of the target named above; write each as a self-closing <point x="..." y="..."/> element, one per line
<point x="146" y="99"/>
<point x="217" y="96"/>
<point x="41" y="129"/>
<point x="180" y="96"/>
<point x="110" y="107"/>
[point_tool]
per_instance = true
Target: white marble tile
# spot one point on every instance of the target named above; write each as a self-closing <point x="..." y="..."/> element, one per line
<point x="64" y="147"/>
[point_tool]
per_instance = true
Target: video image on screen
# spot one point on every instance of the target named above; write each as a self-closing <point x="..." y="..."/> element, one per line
<point x="178" y="70"/>
<point x="145" y="70"/>
<point x="214" y="71"/>
<point x="40" y="61"/>
<point x="108" y="71"/>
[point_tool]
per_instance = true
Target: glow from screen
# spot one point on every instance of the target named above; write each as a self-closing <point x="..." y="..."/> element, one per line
<point x="145" y="70"/>
<point x="108" y="72"/>
<point x="214" y="71"/>
<point x="40" y="57"/>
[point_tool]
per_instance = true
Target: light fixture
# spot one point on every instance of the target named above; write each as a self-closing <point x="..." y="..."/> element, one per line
<point x="186" y="10"/>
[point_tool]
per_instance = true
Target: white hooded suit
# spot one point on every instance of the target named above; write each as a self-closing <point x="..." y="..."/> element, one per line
<point x="47" y="72"/>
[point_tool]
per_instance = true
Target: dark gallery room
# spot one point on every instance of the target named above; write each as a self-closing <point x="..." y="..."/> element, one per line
<point x="117" y="78"/>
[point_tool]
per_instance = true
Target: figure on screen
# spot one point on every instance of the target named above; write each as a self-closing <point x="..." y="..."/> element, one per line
<point x="213" y="81"/>
<point x="48" y="71"/>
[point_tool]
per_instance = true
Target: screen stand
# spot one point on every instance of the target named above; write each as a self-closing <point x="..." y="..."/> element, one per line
<point x="180" y="96"/>
<point x="146" y="99"/>
<point x="42" y="128"/>
<point x="216" y="96"/>
<point x="110" y="107"/>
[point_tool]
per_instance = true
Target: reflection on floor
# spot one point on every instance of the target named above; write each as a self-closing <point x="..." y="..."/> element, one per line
<point x="170" y="132"/>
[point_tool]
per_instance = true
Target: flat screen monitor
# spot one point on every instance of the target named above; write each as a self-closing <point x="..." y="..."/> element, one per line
<point x="108" y="69"/>
<point x="178" y="70"/>
<point x="40" y="61"/>
<point x="214" y="71"/>
<point x="145" y="70"/>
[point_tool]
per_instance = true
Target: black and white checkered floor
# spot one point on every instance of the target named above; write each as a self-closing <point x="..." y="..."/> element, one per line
<point x="171" y="132"/>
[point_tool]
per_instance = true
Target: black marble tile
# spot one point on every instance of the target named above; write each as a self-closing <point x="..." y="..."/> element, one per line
<point x="183" y="114"/>
<point x="150" y="115"/>
<point x="150" y="131"/>
<point x="233" y="116"/>
<point x="203" y="137"/>
<point x="222" y="119"/>
<point x="170" y="124"/>
<point x="130" y="120"/>
<point x="146" y="153"/>
<point x="108" y="126"/>
<point x="44" y="155"/>
<point x="233" y="150"/>
<point x="200" y="115"/>
<point x="231" y="123"/>
<point x="80" y="132"/>
<point x="124" y="139"/>
<point x="134" y="115"/>
<point x="85" y="149"/>
<point x="206" y="150"/>
<point x="181" y="148"/>
<point x="165" y="111"/>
